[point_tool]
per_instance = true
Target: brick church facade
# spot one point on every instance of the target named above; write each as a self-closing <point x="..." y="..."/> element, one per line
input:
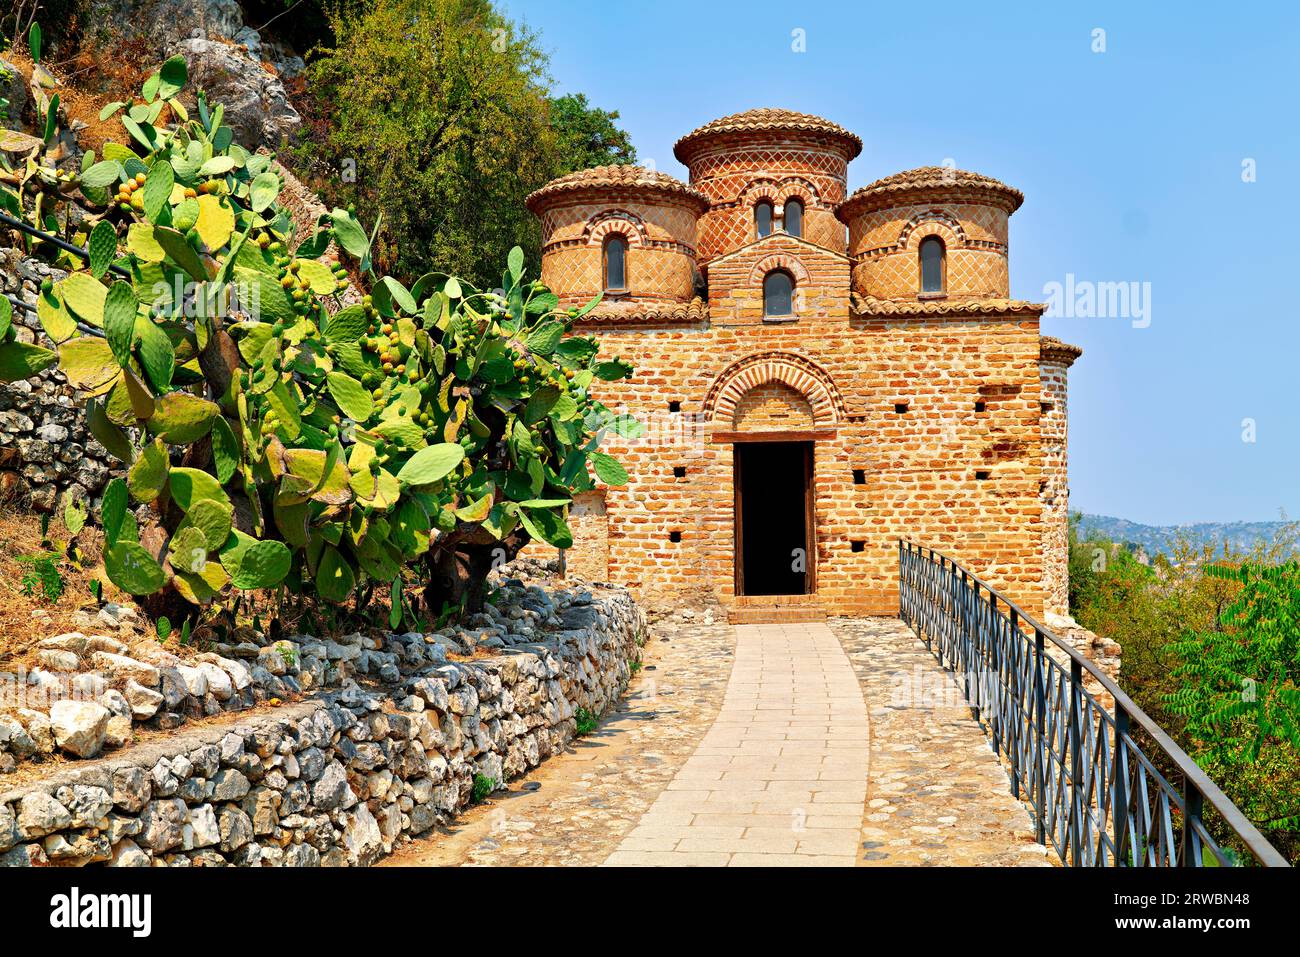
<point x="818" y="374"/>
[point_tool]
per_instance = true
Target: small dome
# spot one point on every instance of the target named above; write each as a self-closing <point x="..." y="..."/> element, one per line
<point x="766" y="120"/>
<point x="925" y="181"/>
<point x="622" y="177"/>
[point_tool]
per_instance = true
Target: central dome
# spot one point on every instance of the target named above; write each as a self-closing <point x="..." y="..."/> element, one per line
<point x="766" y="120"/>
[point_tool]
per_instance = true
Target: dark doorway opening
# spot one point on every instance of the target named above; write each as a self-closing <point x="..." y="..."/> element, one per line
<point x="774" y="518"/>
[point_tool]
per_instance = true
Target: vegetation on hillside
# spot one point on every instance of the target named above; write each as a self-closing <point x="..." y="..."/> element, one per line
<point x="438" y="115"/>
<point x="1211" y="640"/>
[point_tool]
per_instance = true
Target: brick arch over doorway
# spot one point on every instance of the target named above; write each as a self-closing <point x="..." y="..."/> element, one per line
<point x="787" y="368"/>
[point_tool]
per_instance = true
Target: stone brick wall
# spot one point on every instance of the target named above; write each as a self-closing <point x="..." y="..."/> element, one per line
<point x="46" y="450"/>
<point x="336" y="780"/>
<point x="921" y="468"/>
<point x="1055" y="364"/>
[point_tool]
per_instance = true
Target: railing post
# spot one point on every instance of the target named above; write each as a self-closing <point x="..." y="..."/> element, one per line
<point x="1119" y="790"/>
<point x="1040" y="708"/>
<point x="1193" y="805"/>
<point x="1018" y="696"/>
<point x="1076" y="763"/>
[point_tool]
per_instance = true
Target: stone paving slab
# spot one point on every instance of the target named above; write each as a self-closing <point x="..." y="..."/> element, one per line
<point x="789" y="750"/>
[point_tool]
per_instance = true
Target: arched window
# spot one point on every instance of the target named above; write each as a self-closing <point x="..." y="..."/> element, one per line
<point x="763" y="219"/>
<point x="778" y="294"/>
<point x="615" y="264"/>
<point x="794" y="217"/>
<point x="932" y="264"/>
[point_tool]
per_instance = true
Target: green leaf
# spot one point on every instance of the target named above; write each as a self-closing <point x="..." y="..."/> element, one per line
<point x="102" y="247"/>
<point x="88" y="363"/>
<point x="346" y="325"/>
<point x="188" y="550"/>
<point x="157" y="353"/>
<point x="217" y="166"/>
<point x="84" y="295"/>
<point x="108" y="434"/>
<point x="34" y="42"/>
<point x="613" y="369"/>
<point x="351" y="396"/>
<point x="335" y="578"/>
<point x="179" y="249"/>
<point x="22" y="360"/>
<point x="158" y="190"/>
<point x="545" y="338"/>
<point x="515" y="262"/>
<point x="212" y="518"/>
<point x="148" y="476"/>
<point x="59" y="324"/>
<point x="548" y="526"/>
<point x="189" y="486"/>
<point x="112" y="510"/>
<point x="350" y="234"/>
<point x="399" y="295"/>
<point x="264" y="565"/>
<point x="607" y="469"/>
<point x="226" y="453"/>
<point x="395" y="604"/>
<point x="131" y="568"/>
<point x="140" y="240"/>
<point x="104" y="173"/>
<point x="119" y="320"/>
<point x="180" y="418"/>
<point x="6" y="317"/>
<point x="172" y="76"/>
<point x="431" y="464"/>
<point x="263" y="191"/>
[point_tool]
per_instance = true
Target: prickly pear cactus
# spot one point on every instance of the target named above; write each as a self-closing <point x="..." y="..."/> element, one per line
<point x="398" y="441"/>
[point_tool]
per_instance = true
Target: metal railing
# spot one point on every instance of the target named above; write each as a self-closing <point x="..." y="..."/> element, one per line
<point x="1091" y="789"/>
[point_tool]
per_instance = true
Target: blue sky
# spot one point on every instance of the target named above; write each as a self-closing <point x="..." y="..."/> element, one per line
<point x="1131" y="161"/>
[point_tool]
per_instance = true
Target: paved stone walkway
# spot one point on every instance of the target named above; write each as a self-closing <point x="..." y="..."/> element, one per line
<point x="781" y="777"/>
<point x="937" y="794"/>
<point x="802" y="744"/>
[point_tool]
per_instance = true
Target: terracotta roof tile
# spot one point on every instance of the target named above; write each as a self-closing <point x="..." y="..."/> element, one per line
<point x="616" y="313"/>
<point x="870" y="306"/>
<point x="624" y="177"/>
<point x="1053" y="349"/>
<point x="914" y="183"/>
<point x="764" y="120"/>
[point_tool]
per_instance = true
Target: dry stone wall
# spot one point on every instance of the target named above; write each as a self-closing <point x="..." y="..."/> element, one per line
<point x="341" y="778"/>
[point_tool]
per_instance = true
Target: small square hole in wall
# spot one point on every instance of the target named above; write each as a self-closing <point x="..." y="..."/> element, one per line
<point x="900" y="407"/>
<point x="979" y="405"/>
<point x="679" y="471"/>
<point x="674" y="537"/>
<point x="857" y="546"/>
<point x="674" y="406"/>
<point x="859" y="476"/>
<point x="1046" y="407"/>
<point x="983" y="475"/>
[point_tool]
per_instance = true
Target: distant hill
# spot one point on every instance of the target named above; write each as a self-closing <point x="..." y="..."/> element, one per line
<point x="1160" y="538"/>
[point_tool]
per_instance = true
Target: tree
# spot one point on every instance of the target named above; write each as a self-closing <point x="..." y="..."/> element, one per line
<point x="443" y="106"/>
<point x="587" y="135"/>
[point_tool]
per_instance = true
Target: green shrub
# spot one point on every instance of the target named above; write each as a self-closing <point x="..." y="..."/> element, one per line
<point x="436" y="428"/>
